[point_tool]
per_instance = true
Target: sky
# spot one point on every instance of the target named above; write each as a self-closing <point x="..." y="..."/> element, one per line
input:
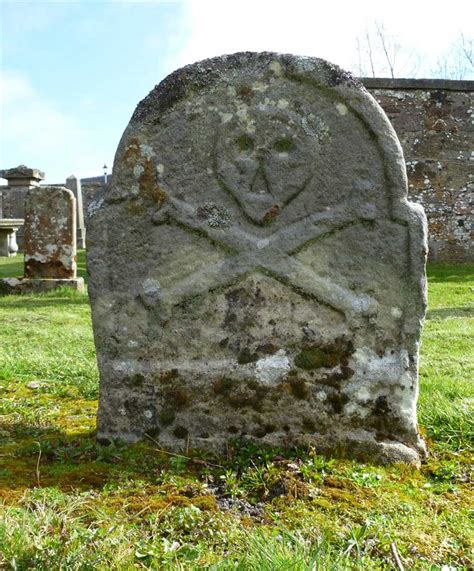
<point x="72" y="72"/>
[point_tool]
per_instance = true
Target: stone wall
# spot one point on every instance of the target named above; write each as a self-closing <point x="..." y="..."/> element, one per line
<point x="434" y="120"/>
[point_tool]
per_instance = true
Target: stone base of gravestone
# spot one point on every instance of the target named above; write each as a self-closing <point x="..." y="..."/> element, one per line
<point x="13" y="286"/>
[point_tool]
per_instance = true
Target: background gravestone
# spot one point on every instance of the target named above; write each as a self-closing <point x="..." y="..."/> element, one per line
<point x="49" y="243"/>
<point x="74" y="185"/>
<point x="256" y="270"/>
<point x="13" y="196"/>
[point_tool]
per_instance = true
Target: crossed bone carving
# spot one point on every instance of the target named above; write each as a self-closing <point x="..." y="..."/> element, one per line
<point x="272" y="255"/>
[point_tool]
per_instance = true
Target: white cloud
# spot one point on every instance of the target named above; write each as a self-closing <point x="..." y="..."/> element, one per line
<point x="316" y="28"/>
<point x="37" y="133"/>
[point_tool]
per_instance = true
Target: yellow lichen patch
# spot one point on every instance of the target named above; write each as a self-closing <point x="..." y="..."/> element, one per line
<point x="135" y="208"/>
<point x="149" y="188"/>
<point x="132" y="152"/>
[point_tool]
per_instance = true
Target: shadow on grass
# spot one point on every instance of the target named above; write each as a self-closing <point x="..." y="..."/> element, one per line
<point x="46" y="457"/>
<point x="440" y="273"/>
<point x="25" y="302"/>
<point x="447" y="312"/>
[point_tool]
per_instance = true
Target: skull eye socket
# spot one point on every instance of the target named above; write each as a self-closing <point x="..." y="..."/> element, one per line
<point x="245" y="142"/>
<point x="284" y="145"/>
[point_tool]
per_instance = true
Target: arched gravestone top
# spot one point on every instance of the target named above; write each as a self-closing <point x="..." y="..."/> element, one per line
<point x="256" y="269"/>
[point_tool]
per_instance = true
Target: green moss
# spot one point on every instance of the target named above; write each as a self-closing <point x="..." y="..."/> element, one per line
<point x="167" y="416"/>
<point x="309" y="425"/>
<point x="245" y="142"/>
<point x="176" y="397"/>
<point x="284" y="145"/>
<point x="338" y="400"/>
<point x="223" y="386"/>
<point x="267" y="348"/>
<point x="298" y="387"/>
<point x="246" y="356"/>
<point x="245" y="92"/>
<point x="315" y="356"/>
<point x="135" y="380"/>
<point x="168" y="376"/>
<point x="180" y="432"/>
<point x="311" y="358"/>
<point x="241" y="394"/>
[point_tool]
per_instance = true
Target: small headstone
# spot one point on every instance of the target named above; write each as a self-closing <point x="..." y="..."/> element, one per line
<point x="50" y="233"/>
<point x="49" y="243"/>
<point x="256" y="270"/>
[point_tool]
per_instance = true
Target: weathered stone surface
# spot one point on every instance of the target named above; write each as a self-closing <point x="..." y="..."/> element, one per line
<point x="434" y="121"/>
<point x="256" y="269"/>
<point x="22" y="176"/>
<point x="50" y="233"/>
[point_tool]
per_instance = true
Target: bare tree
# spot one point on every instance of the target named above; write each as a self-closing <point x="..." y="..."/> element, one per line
<point x="390" y="47"/>
<point x="458" y="61"/>
<point x="467" y="50"/>
<point x="380" y="54"/>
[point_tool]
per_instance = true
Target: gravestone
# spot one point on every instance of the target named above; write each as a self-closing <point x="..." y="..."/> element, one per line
<point x="256" y="271"/>
<point x="49" y="243"/>
<point x="74" y="185"/>
<point x="20" y="180"/>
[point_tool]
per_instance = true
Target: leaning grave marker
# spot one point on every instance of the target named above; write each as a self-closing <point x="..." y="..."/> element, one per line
<point x="255" y="268"/>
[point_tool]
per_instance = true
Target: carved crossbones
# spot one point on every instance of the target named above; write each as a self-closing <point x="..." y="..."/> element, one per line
<point x="272" y="255"/>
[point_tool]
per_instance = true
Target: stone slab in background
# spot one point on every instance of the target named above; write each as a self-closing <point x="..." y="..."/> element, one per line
<point x="256" y="270"/>
<point x="49" y="244"/>
<point x="50" y="233"/>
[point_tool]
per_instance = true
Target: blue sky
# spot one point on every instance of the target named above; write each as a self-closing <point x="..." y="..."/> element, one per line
<point x="72" y="72"/>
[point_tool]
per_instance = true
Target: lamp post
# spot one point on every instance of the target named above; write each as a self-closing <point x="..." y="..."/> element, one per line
<point x="105" y="173"/>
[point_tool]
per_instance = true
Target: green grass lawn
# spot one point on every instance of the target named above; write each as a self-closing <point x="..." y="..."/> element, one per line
<point x="68" y="503"/>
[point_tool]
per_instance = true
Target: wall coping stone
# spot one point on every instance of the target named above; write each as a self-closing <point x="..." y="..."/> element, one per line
<point x="409" y="83"/>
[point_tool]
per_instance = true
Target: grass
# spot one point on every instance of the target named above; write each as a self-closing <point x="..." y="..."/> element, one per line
<point x="68" y="503"/>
